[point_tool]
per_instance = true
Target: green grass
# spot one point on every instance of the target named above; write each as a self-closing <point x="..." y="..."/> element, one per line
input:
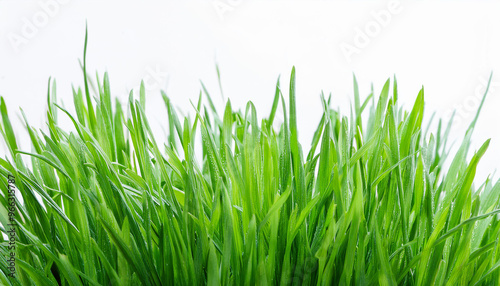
<point x="367" y="204"/>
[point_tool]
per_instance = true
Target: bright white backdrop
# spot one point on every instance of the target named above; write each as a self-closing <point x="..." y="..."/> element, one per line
<point x="450" y="48"/>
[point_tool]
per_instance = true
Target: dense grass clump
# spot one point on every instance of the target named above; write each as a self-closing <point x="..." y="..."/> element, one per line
<point x="367" y="204"/>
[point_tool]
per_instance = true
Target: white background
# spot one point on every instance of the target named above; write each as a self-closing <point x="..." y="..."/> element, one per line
<point x="448" y="47"/>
